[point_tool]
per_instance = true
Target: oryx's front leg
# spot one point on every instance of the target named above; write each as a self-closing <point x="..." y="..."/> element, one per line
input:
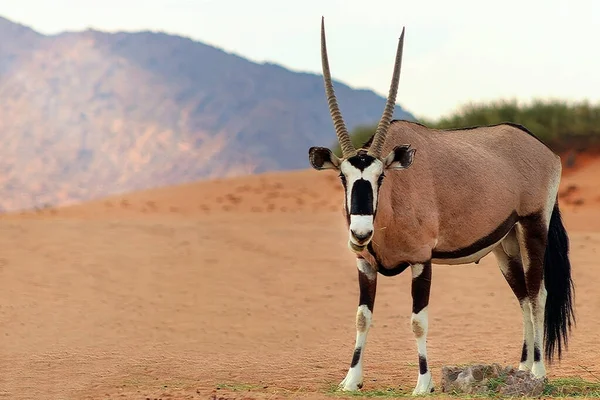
<point x="421" y="285"/>
<point x="367" y="280"/>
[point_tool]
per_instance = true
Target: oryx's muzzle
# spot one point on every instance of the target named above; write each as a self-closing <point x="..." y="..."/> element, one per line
<point x="360" y="232"/>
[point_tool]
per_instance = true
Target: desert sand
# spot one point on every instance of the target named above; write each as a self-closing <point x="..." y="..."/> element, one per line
<point x="244" y="288"/>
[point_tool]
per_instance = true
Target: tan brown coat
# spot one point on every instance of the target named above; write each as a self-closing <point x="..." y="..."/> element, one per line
<point x="446" y="200"/>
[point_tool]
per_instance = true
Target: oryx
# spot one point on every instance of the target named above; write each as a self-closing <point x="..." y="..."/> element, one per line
<point x="416" y="196"/>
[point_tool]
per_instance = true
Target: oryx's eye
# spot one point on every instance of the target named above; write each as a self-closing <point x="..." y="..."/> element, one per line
<point x="343" y="178"/>
<point x="380" y="179"/>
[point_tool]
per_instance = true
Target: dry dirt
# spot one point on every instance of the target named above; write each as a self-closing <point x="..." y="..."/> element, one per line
<point x="244" y="288"/>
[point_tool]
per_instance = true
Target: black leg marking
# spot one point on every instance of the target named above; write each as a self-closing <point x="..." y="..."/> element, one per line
<point x="536" y="354"/>
<point x="524" y="352"/>
<point x="490" y="239"/>
<point x="535" y="246"/>
<point x="512" y="270"/>
<point x="421" y="287"/>
<point x="516" y="278"/>
<point x="368" y="289"/>
<point x="422" y="365"/>
<point x="355" y="357"/>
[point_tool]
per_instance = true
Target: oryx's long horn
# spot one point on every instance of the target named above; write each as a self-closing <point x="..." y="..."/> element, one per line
<point x="338" y="122"/>
<point x="386" y="118"/>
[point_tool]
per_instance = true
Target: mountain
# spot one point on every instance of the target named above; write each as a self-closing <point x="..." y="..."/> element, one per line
<point x="89" y="114"/>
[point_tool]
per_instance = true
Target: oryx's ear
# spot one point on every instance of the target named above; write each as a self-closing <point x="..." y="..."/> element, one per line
<point x="323" y="158"/>
<point x="400" y="158"/>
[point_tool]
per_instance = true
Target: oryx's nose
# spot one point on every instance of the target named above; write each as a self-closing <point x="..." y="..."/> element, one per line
<point x="361" y="236"/>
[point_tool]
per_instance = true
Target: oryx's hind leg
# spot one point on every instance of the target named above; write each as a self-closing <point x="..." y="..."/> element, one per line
<point x="421" y="286"/>
<point x="367" y="281"/>
<point x="532" y="235"/>
<point x="508" y="254"/>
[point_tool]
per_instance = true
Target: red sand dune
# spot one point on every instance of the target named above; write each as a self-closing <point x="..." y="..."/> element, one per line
<point x="171" y="293"/>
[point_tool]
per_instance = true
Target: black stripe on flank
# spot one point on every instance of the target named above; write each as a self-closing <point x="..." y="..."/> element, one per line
<point x="355" y="357"/>
<point x="361" y="198"/>
<point x="486" y="241"/>
<point x="422" y="365"/>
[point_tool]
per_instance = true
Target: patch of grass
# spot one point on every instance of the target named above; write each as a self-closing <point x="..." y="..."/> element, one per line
<point x="382" y="392"/>
<point x="494" y="384"/>
<point x="237" y="387"/>
<point x="556" y="388"/>
<point x="572" y="387"/>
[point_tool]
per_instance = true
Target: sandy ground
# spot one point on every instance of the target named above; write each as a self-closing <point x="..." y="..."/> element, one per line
<point x="245" y="289"/>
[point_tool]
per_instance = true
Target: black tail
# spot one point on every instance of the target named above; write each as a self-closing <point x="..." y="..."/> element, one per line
<point x="559" y="313"/>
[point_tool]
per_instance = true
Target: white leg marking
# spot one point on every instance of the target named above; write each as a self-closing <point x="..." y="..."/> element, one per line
<point x="354" y="377"/>
<point x="420" y="325"/>
<point x="537" y="318"/>
<point x="366" y="268"/>
<point x="417" y="270"/>
<point x="527" y="336"/>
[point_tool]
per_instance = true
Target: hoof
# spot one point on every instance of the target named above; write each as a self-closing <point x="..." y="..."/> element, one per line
<point x="424" y="385"/>
<point x="419" y="392"/>
<point x="538" y="370"/>
<point x="350" y="383"/>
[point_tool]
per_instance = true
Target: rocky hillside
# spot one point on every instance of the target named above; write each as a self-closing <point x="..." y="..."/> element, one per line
<point x="89" y="114"/>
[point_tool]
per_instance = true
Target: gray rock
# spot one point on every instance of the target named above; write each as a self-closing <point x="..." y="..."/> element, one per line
<point x="486" y="379"/>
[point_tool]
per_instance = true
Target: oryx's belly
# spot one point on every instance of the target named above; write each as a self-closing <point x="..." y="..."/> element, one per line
<point x="466" y="259"/>
<point x="479" y="247"/>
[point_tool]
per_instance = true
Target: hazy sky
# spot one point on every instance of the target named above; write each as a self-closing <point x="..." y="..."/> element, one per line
<point x="455" y="51"/>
